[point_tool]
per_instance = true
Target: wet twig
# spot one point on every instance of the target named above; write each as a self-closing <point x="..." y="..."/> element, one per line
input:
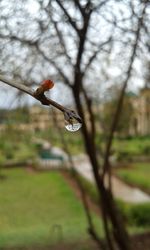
<point x="40" y="96"/>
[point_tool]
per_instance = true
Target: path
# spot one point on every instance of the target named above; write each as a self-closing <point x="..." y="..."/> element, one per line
<point x="119" y="188"/>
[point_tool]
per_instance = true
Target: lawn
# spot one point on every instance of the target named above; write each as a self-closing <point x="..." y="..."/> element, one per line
<point x="136" y="216"/>
<point x="75" y="143"/>
<point x="18" y="146"/>
<point x="39" y="208"/>
<point x="138" y="175"/>
<point x="127" y="149"/>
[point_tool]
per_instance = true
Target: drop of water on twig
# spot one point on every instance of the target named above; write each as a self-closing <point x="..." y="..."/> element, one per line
<point x="73" y="127"/>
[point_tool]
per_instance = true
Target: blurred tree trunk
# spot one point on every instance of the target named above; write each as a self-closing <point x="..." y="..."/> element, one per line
<point x="106" y="201"/>
<point x="91" y="228"/>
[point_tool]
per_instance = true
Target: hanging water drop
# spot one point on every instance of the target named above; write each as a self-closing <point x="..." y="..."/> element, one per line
<point x="73" y="121"/>
<point x="73" y="127"/>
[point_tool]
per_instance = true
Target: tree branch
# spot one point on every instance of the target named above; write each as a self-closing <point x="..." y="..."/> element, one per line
<point x="61" y="40"/>
<point x="91" y="59"/>
<point x="100" y="5"/>
<point x="73" y="24"/>
<point x="65" y="78"/>
<point x="82" y="9"/>
<point x="36" y="45"/>
<point x="106" y="164"/>
<point x="42" y="98"/>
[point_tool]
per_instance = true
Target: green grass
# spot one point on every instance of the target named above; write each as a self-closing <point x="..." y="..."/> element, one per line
<point x="136" y="216"/>
<point x="18" y="146"/>
<point x="74" y="141"/>
<point x="138" y="175"/>
<point x="39" y="208"/>
<point x="133" y="147"/>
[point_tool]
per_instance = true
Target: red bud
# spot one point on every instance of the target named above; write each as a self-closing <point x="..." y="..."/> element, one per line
<point x="47" y="84"/>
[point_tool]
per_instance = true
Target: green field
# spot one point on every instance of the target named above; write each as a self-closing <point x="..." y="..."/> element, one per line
<point x="136" y="215"/>
<point x="25" y="149"/>
<point x="39" y="208"/>
<point x="128" y="149"/>
<point x="138" y="175"/>
<point x="19" y="146"/>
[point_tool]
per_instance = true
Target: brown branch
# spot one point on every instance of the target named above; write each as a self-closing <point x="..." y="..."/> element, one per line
<point x="37" y="47"/>
<point x="65" y="78"/>
<point x="73" y="24"/>
<point x="91" y="228"/>
<point x="91" y="114"/>
<point x="16" y="38"/>
<point x="82" y="9"/>
<point x="82" y="39"/>
<point x="106" y="164"/>
<point x="97" y="7"/>
<point x="91" y="59"/>
<point x="42" y="98"/>
<point x="61" y="40"/>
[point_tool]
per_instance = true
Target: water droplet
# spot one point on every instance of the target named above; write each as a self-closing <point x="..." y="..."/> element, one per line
<point x="73" y="127"/>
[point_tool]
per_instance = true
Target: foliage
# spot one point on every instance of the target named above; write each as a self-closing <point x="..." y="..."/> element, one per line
<point x="128" y="149"/>
<point x="89" y="188"/>
<point x="137" y="174"/>
<point x="17" y="115"/>
<point x="146" y="150"/>
<point x="133" y="214"/>
<point x="16" y="145"/>
<point x="75" y="142"/>
<point x="136" y="214"/>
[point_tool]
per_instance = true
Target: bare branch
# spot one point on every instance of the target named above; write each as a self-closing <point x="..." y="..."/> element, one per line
<point x="42" y="98"/>
<point x="15" y="38"/>
<point x="18" y="86"/>
<point x="106" y="165"/>
<point x="73" y="24"/>
<point x="77" y="3"/>
<point x="91" y="59"/>
<point x="65" y="78"/>
<point x="97" y="7"/>
<point x="61" y="40"/>
<point x="36" y="45"/>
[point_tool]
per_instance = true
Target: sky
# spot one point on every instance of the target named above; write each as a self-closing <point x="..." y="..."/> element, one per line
<point x="8" y="94"/>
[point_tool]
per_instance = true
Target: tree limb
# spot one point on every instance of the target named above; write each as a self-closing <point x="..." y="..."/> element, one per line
<point x="61" y="40"/>
<point x="73" y="24"/>
<point x="91" y="59"/>
<point x="42" y="98"/>
<point x="106" y="164"/>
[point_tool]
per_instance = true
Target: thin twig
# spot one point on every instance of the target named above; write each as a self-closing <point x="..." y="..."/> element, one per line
<point x="42" y="98"/>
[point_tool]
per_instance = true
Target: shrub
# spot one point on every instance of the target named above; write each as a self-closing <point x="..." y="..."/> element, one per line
<point x="90" y="188"/>
<point x="135" y="214"/>
<point x="140" y="214"/>
<point x="122" y="155"/>
<point x="146" y="150"/>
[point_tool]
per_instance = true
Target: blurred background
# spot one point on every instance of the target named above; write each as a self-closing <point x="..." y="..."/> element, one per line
<point x="51" y="180"/>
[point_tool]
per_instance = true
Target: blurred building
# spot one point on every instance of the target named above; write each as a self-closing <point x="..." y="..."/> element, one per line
<point x="42" y="118"/>
<point x="38" y="117"/>
<point x="141" y="117"/>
